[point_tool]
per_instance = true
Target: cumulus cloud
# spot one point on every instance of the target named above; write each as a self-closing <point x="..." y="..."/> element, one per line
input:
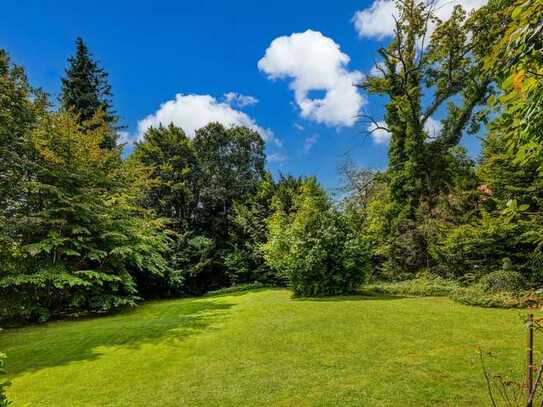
<point x="309" y="142"/>
<point x="314" y="62"/>
<point x="240" y="100"/>
<point x="378" y="20"/>
<point x="191" y="112"/>
<point x="378" y="132"/>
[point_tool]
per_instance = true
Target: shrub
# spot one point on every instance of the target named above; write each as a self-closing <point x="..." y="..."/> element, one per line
<point x="478" y="296"/>
<point x="424" y="284"/>
<point x="502" y="280"/>
<point x="4" y="402"/>
<point x="314" y="246"/>
<point x="482" y="246"/>
<point x="428" y="285"/>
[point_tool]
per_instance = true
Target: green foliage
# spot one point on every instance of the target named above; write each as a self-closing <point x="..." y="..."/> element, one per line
<point x="193" y="258"/>
<point x="4" y="402"/>
<point x="313" y="247"/>
<point x="86" y="91"/>
<point x="20" y="108"/>
<point x="79" y="240"/>
<point x="478" y="296"/>
<point x="175" y="175"/>
<point x="216" y="196"/>
<point x="246" y="262"/>
<point x="496" y="290"/>
<point x="232" y="164"/>
<point x="447" y="72"/>
<point x="502" y="280"/>
<point x="480" y="248"/>
<point x="424" y="285"/>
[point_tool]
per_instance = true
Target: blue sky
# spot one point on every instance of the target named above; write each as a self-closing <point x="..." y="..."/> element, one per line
<point x="154" y="51"/>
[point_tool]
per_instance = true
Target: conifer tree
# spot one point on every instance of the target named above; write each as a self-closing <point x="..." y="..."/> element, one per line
<point x="86" y="90"/>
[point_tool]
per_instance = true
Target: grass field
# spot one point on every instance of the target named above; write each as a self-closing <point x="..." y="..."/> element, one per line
<point x="262" y="348"/>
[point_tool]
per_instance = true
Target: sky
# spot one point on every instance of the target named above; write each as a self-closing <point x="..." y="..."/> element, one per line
<point x="283" y="68"/>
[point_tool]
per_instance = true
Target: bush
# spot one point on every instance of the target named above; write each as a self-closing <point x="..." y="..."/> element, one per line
<point x="502" y="280"/>
<point x="481" y="247"/>
<point x="424" y="285"/>
<point x="476" y="295"/>
<point x="314" y="246"/>
<point x="428" y="285"/>
<point x="4" y="402"/>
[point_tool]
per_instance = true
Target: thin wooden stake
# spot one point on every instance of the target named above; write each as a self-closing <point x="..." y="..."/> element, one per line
<point x="530" y="360"/>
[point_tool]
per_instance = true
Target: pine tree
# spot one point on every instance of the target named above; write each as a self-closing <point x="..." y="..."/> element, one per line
<point x="86" y="90"/>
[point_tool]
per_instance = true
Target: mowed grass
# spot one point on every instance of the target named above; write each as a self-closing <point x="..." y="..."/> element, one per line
<point x="263" y="347"/>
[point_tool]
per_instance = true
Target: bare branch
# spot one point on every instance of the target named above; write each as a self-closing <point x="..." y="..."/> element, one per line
<point x="376" y="124"/>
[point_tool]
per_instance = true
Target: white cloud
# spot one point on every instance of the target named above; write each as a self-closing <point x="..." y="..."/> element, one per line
<point x="315" y="62"/>
<point x="299" y="127"/>
<point x="432" y="127"/>
<point x="378" y="134"/>
<point x="123" y="137"/>
<point x="240" y="100"/>
<point x="191" y="112"/>
<point x="277" y="157"/>
<point x="309" y="142"/>
<point x="378" y="20"/>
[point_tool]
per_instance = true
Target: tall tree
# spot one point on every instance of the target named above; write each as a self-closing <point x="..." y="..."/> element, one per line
<point x="430" y="67"/>
<point x="447" y="71"/>
<point x="170" y="155"/>
<point x="80" y="240"/>
<point x="20" y="107"/>
<point x="232" y="163"/>
<point x="86" y="90"/>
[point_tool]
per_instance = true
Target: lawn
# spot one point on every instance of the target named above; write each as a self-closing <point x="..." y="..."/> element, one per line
<point x="263" y="347"/>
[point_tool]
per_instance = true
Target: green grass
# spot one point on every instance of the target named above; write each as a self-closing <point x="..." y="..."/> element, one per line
<point x="263" y="347"/>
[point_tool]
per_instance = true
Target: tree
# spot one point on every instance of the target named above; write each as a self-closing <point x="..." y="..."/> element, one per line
<point x="448" y="71"/>
<point x="209" y="189"/>
<point x="79" y="240"/>
<point x="512" y="159"/>
<point x="246" y="263"/>
<point x="173" y="193"/>
<point x="175" y="172"/>
<point x="231" y="162"/>
<point x="20" y="108"/>
<point x="86" y="90"/>
<point x="314" y="247"/>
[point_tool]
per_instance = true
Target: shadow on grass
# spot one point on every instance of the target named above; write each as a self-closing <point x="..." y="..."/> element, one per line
<point x="59" y="343"/>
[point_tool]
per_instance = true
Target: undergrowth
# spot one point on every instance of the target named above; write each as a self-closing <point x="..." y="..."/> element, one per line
<point x="427" y="285"/>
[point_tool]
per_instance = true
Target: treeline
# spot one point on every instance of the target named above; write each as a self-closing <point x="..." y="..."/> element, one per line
<point x="435" y="209"/>
<point x="84" y="230"/>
